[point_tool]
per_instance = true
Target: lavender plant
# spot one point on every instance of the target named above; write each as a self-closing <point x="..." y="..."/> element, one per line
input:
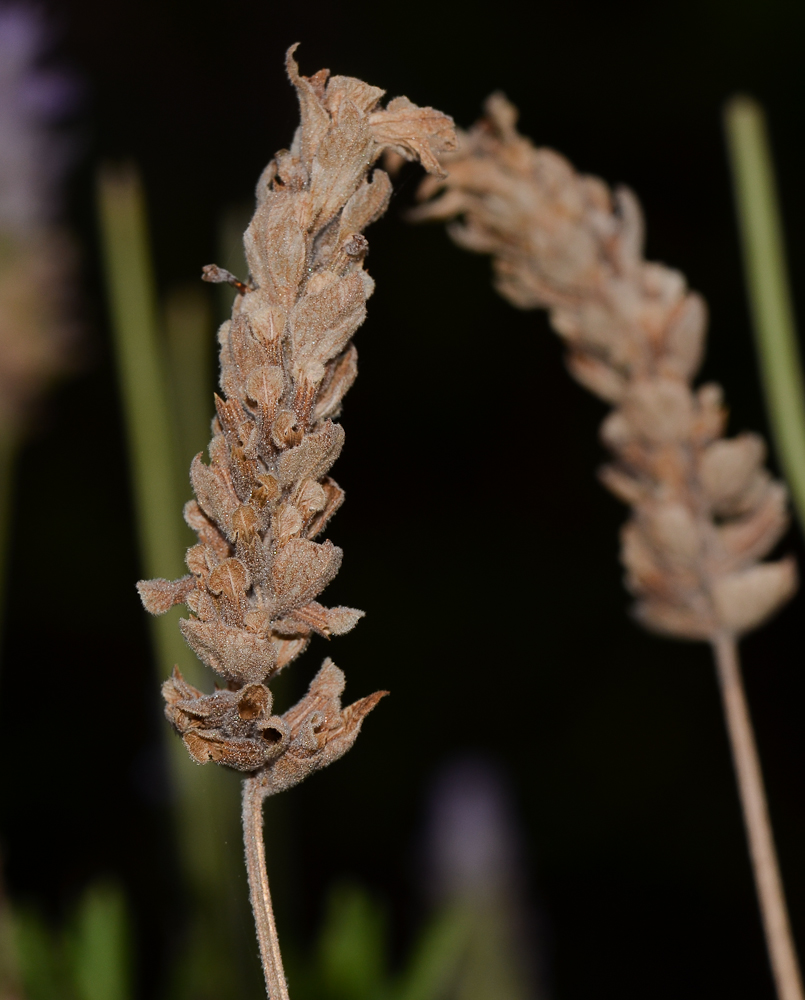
<point x="286" y="364"/>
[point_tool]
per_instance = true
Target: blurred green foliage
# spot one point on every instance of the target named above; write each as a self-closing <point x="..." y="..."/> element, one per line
<point x="89" y="958"/>
<point x="767" y="287"/>
<point x="351" y="958"/>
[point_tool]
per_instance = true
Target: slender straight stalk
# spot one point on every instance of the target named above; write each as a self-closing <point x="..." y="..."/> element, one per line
<point x="767" y="283"/>
<point x="276" y="986"/>
<point x="766" y="868"/>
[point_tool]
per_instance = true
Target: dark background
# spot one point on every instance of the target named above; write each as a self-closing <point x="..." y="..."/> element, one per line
<point x="475" y="534"/>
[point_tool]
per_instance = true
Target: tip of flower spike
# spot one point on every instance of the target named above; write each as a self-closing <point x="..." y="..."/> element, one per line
<point x="216" y="275"/>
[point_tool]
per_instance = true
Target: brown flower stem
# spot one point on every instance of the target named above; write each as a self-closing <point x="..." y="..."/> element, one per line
<point x="253" y="795"/>
<point x="774" y="913"/>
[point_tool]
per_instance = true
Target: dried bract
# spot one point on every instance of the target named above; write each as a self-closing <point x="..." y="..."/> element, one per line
<point x="265" y="496"/>
<point x="704" y="509"/>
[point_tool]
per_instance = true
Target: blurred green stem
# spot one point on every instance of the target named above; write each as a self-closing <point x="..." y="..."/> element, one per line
<point x="188" y="329"/>
<point x="207" y="819"/>
<point x="767" y="282"/>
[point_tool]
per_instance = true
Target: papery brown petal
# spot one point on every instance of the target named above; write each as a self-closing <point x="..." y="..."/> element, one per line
<point x="727" y="469"/>
<point x="315" y="119"/>
<point x="752" y="537"/>
<point x="335" y="497"/>
<point x="341" y="373"/>
<point x="264" y="385"/>
<point x="313" y="458"/>
<point x="244" y="522"/>
<point x="624" y="486"/>
<point x="322" y="323"/>
<point x="275" y="249"/>
<point x="711" y="415"/>
<point x="287" y="523"/>
<point x="215" y="496"/>
<point x="248" y="350"/>
<point x="672" y="529"/>
<point x="340" y="164"/>
<point x="644" y="571"/>
<point x="628" y="248"/>
<point x="413" y="132"/>
<point x="368" y="203"/>
<point x="234" y="653"/>
<point x="284" y="431"/>
<point x="328" y="621"/>
<point x="254" y="701"/>
<point x="321" y="731"/>
<point x="196" y="560"/>
<point x="310" y="498"/>
<point x="204" y="528"/>
<point x="746" y="599"/>
<point x="287" y="650"/>
<point x="596" y="376"/>
<point x="159" y="596"/>
<point x="241" y="754"/>
<point x="230" y="577"/>
<point x="660" y="410"/>
<point x="684" y="338"/>
<point x="362" y="95"/>
<point x="301" y="570"/>
<point x="674" y="620"/>
<point x="176" y="688"/>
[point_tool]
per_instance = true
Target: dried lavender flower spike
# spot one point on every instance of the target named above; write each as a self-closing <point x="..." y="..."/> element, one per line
<point x="286" y="364"/>
<point x="704" y="510"/>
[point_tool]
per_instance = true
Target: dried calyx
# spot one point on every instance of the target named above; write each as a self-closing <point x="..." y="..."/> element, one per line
<point x="704" y="509"/>
<point x="266" y="496"/>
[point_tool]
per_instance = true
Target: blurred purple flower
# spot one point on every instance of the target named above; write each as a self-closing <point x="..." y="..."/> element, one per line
<point x="473" y="838"/>
<point x="37" y="258"/>
<point x="475" y="861"/>
<point x="34" y="100"/>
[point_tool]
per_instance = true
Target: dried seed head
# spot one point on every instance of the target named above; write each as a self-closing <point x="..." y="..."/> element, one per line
<point x="286" y="363"/>
<point x="704" y="508"/>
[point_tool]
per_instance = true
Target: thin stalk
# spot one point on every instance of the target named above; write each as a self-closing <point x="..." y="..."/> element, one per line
<point x="253" y="795"/>
<point x="765" y="866"/>
<point x="767" y="283"/>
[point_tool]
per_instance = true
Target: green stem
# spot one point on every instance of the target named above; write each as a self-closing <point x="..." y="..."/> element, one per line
<point x="767" y="282"/>
<point x="207" y="814"/>
<point x="189" y="339"/>
<point x="134" y="311"/>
